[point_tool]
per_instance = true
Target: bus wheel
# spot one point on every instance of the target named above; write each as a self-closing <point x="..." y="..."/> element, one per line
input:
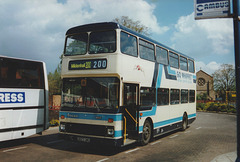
<point x="147" y="133"/>
<point x="184" y="122"/>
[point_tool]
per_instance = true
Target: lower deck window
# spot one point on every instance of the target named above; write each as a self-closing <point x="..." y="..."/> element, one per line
<point x="147" y="96"/>
<point x="174" y="96"/>
<point x="184" y="96"/>
<point x="191" y="96"/>
<point x="162" y="96"/>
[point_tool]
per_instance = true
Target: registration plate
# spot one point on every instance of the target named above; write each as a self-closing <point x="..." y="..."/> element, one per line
<point x="83" y="139"/>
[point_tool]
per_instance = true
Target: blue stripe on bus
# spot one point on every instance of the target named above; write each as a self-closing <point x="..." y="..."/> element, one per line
<point x="104" y="117"/>
<point x="168" y="122"/>
<point x="170" y="74"/>
<point x="118" y="117"/>
<point x="155" y="75"/>
<point x="192" y="115"/>
<point x="170" y="71"/>
<point x="150" y="112"/>
<point x="118" y="133"/>
<point x="159" y="78"/>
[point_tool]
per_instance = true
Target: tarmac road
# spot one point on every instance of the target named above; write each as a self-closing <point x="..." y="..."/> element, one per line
<point x="210" y="136"/>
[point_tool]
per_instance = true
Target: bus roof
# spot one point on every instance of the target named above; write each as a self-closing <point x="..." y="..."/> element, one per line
<point x="112" y="26"/>
<point x="16" y="58"/>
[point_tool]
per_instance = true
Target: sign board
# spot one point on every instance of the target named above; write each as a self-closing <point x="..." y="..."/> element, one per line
<point x="206" y="9"/>
<point x="87" y="64"/>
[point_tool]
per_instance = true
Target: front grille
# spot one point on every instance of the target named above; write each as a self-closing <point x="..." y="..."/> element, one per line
<point x="86" y="129"/>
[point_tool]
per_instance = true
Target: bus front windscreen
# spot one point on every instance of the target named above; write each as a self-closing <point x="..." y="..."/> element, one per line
<point x="90" y="94"/>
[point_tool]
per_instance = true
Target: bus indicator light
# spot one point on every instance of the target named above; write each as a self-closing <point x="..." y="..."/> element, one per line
<point x="62" y="117"/>
<point x="110" y="120"/>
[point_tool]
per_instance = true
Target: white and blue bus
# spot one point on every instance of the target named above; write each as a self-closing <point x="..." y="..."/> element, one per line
<point x="121" y="87"/>
<point x="23" y="98"/>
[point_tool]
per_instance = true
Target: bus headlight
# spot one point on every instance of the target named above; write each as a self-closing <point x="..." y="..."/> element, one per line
<point x="62" y="127"/>
<point x="110" y="131"/>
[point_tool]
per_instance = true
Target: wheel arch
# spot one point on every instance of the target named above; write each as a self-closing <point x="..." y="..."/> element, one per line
<point x="151" y="122"/>
<point x="185" y="116"/>
<point x="184" y="121"/>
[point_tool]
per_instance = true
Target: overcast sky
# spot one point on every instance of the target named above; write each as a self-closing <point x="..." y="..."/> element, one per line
<point x="35" y="29"/>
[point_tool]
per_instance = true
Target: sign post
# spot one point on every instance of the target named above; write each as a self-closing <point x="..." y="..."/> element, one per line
<point x="237" y="69"/>
<point x="205" y="9"/>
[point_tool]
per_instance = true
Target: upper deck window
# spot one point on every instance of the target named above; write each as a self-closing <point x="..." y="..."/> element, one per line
<point x="102" y="42"/>
<point x="162" y="56"/>
<point x="76" y="44"/>
<point x="173" y="60"/>
<point x="183" y="63"/>
<point x="191" y="66"/>
<point x="128" y="44"/>
<point x="146" y="50"/>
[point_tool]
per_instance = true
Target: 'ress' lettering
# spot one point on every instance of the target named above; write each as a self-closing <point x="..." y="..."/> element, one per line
<point x="12" y="97"/>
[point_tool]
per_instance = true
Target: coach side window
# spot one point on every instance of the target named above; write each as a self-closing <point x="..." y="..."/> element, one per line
<point x="21" y="74"/>
<point x="162" y="56"/>
<point x="146" y="50"/>
<point x="162" y="96"/>
<point x="173" y="60"/>
<point x="128" y="44"/>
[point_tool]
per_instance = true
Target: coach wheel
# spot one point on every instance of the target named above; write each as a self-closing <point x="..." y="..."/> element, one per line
<point x="147" y="133"/>
<point x="184" y="122"/>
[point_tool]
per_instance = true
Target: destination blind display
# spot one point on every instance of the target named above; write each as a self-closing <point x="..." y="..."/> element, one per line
<point x="88" y="64"/>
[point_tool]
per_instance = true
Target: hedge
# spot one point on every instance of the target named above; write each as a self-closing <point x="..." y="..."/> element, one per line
<point x="216" y="107"/>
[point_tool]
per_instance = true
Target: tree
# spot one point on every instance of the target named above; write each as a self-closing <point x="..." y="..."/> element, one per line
<point x="134" y="25"/>
<point x="55" y="82"/>
<point x="224" y="80"/>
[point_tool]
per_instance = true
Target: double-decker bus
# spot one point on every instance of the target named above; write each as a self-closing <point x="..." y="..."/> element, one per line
<point x="121" y="87"/>
<point x="23" y="98"/>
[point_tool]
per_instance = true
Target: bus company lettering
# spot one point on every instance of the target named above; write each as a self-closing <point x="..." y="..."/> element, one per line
<point x="212" y="5"/>
<point x="72" y="115"/>
<point x="12" y="97"/>
<point x="86" y="65"/>
<point x="184" y="77"/>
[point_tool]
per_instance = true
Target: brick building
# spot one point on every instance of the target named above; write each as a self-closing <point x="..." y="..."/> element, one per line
<point x="205" y="84"/>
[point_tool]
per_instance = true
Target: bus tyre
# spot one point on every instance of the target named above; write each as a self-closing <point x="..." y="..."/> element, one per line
<point x="184" y="122"/>
<point x="147" y="133"/>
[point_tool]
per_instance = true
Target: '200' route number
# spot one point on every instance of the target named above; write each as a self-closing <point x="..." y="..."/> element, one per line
<point x="100" y="64"/>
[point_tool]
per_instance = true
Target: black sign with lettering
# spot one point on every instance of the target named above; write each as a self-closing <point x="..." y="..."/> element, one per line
<point x="87" y="64"/>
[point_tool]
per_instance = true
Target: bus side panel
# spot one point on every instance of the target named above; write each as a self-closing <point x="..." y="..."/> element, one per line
<point x="26" y="133"/>
<point x="5" y="123"/>
<point x="27" y="118"/>
<point x="6" y="119"/>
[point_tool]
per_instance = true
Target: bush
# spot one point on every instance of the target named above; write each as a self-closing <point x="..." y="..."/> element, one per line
<point x="208" y="106"/>
<point x="233" y="110"/>
<point x="214" y="107"/>
<point x="54" y="122"/>
<point x="200" y="106"/>
<point x="217" y="107"/>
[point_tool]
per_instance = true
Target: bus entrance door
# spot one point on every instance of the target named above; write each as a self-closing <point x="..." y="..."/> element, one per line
<point x="130" y="112"/>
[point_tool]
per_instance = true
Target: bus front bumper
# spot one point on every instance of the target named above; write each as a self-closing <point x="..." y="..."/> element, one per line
<point x="92" y="140"/>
